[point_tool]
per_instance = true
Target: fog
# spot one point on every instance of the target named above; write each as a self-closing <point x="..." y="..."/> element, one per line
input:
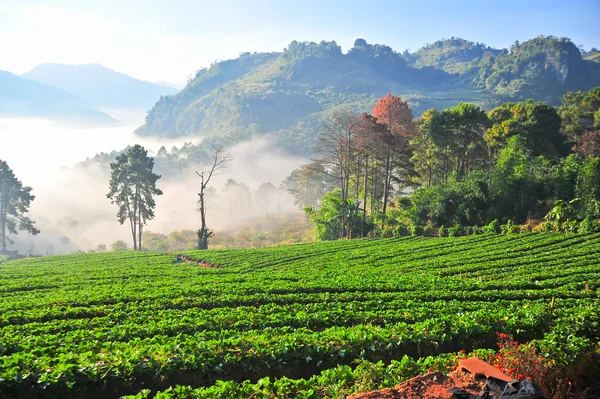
<point x="71" y="201"/>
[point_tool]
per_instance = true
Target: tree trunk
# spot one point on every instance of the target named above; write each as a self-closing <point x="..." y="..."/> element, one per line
<point x="429" y="176"/>
<point x="386" y="189"/>
<point x="141" y="224"/>
<point x="3" y="227"/>
<point x="364" y="219"/>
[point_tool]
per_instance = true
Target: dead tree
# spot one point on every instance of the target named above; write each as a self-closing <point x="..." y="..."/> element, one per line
<point x="336" y="153"/>
<point x="219" y="160"/>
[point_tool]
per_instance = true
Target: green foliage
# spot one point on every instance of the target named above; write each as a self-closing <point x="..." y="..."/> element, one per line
<point x="589" y="225"/>
<point x="118" y="317"/>
<point x="15" y="200"/>
<point x="492" y="228"/>
<point x="589" y="189"/>
<point x="517" y="181"/>
<point x="132" y="188"/>
<point x="462" y="200"/>
<point x="536" y="122"/>
<point x="452" y="55"/>
<point x="288" y="94"/>
<point x="541" y="68"/>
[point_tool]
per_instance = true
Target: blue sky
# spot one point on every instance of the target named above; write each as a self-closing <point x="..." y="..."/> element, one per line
<point x="170" y="40"/>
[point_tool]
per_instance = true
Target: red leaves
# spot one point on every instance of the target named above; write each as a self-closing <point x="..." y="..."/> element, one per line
<point x="396" y="114"/>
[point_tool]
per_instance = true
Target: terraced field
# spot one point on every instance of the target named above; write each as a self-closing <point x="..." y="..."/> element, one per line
<point x="106" y="325"/>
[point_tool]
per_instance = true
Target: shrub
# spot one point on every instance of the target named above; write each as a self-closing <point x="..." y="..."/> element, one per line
<point x="493" y="227"/>
<point x="570" y="226"/>
<point x="589" y="225"/>
<point x="442" y="231"/>
<point x="509" y="228"/>
<point x="401" y="231"/>
<point x="428" y="230"/>
<point x="455" y="231"/>
<point x="545" y="227"/>
<point x="416" y="230"/>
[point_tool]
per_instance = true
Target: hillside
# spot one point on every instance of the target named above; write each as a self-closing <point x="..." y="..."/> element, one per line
<point x="104" y="325"/>
<point x="287" y="94"/>
<point x="100" y="86"/>
<point x="455" y="55"/>
<point x="23" y="97"/>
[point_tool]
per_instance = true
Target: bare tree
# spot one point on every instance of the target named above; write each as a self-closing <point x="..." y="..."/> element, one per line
<point x="335" y="151"/>
<point x="220" y="159"/>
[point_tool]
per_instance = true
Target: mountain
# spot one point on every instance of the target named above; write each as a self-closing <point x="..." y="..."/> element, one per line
<point x="454" y="55"/>
<point x="24" y="97"/>
<point x="287" y="94"/>
<point x="101" y="87"/>
<point x="177" y="86"/>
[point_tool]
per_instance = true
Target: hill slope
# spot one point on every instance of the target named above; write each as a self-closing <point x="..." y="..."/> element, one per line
<point x="24" y="97"/>
<point x="100" y="86"/>
<point x="289" y="93"/>
<point x="103" y="325"/>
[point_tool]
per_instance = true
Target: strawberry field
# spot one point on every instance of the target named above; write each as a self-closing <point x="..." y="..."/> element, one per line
<point x="288" y="321"/>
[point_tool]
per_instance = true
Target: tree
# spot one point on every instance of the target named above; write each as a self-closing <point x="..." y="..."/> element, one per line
<point x="220" y="158"/>
<point x="589" y="189"/>
<point x="133" y="187"/>
<point x="588" y="145"/>
<point x="517" y="180"/>
<point x="265" y="195"/>
<point x="394" y="150"/>
<point x="15" y="200"/>
<point x="467" y="124"/>
<point x="119" y="246"/>
<point x="308" y="184"/>
<point x="335" y="150"/>
<point x="538" y="123"/>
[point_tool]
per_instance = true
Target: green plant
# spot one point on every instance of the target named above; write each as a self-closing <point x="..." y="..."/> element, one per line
<point x="492" y="228"/>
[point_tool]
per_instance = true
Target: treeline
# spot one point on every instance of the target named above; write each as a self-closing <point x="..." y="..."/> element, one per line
<point x="386" y="173"/>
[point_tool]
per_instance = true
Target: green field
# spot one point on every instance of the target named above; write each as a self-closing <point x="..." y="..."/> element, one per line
<point x="105" y="325"/>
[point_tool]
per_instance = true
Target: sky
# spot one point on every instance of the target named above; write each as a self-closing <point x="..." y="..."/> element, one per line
<point x="158" y="40"/>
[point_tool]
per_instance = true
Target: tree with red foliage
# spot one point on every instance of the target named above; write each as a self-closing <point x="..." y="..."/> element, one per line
<point x="394" y="147"/>
<point x="588" y="145"/>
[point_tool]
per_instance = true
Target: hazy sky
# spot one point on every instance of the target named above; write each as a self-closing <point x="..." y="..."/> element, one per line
<point x="169" y="40"/>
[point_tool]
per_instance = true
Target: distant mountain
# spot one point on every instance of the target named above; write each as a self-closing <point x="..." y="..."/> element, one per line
<point x="26" y="98"/>
<point x="101" y="87"/>
<point x="177" y="86"/>
<point x="287" y="94"/>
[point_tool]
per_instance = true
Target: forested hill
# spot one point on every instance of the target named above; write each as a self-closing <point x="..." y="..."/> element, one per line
<point x="288" y="93"/>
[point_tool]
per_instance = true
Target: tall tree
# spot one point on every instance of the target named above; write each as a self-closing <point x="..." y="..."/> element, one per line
<point x="335" y="151"/>
<point x="220" y="158"/>
<point x="15" y="200"/>
<point x="133" y="187"/>
<point x="394" y="150"/>
<point x="468" y="124"/>
<point x="538" y="123"/>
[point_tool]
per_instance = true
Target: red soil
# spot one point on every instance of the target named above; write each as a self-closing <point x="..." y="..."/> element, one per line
<point x="428" y="386"/>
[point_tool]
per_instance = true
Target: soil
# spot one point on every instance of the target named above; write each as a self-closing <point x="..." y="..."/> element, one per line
<point x="428" y="386"/>
<point x="187" y="259"/>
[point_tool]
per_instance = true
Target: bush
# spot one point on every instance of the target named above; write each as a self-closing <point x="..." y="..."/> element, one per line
<point x="401" y="231"/>
<point x="492" y="228"/>
<point x="509" y="228"/>
<point x="428" y="231"/>
<point x="442" y="231"/>
<point x="589" y="225"/>
<point x="455" y="231"/>
<point x="416" y="230"/>
<point x="477" y="230"/>
<point x="570" y="226"/>
<point x="545" y="227"/>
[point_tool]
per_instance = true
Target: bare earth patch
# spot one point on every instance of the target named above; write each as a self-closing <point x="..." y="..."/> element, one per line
<point x="428" y="386"/>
